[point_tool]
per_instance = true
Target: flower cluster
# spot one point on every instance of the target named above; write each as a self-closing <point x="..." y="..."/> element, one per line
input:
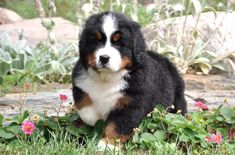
<point x="201" y="105"/>
<point x="28" y="127"/>
<point x="214" y="138"/>
<point x="63" y="97"/>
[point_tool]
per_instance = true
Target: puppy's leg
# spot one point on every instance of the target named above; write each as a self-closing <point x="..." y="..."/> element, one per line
<point x="81" y="99"/>
<point x="179" y="101"/>
<point x="83" y="104"/>
<point x="120" y="125"/>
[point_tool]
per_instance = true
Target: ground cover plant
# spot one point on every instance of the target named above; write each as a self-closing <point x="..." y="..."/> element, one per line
<point x="199" y="132"/>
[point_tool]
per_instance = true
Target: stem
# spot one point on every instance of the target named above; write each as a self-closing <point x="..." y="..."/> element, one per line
<point x="58" y="111"/>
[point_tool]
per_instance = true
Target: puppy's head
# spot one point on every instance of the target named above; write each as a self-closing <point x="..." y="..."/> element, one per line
<point x="110" y="42"/>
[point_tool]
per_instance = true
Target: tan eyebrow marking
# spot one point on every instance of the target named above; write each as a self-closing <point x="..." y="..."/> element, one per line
<point x="116" y="37"/>
<point x="98" y="35"/>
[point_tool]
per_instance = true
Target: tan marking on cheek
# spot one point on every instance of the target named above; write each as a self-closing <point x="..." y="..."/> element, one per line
<point x="91" y="59"/>
<point x="123" y="102"/>
<point x="126" y="63"/>
<point x="85" y="101"/>
<point x="112" y="137"/>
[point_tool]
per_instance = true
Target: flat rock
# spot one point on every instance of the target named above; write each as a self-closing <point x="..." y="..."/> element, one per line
<point x="8" y="16"/>
<point x="214" y="89"/>
<point x="33" y="31"/>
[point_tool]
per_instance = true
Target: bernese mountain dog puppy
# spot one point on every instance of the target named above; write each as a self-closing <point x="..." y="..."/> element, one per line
<point x="116" y="79"/>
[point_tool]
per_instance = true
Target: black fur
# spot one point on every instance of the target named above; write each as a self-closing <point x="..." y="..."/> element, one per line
<point x="152" y="80"/>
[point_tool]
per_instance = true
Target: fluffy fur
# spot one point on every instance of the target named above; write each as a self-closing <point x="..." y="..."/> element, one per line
<point x="117" y="80"/>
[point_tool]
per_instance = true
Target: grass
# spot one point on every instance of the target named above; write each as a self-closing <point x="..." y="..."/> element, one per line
<point x="11" y="85"/>
<point x="58" y="144"/>
<point x="62" y="144"/>
<point x="174" y="134"/>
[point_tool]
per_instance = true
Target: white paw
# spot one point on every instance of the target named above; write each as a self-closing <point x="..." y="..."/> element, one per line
<point x="104" y="146"/>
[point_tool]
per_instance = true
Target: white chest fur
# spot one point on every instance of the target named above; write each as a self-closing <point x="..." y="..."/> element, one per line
<point x="104" y="91"/>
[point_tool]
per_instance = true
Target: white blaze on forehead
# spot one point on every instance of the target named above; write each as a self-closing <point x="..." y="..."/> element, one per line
<point x="109" y="25"/>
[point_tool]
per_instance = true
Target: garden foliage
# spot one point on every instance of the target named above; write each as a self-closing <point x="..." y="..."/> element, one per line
<point x="158" y="129"/>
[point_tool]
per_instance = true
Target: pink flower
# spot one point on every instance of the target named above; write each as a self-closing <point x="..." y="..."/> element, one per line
<point x="211" y="138"/>
<point x="27" y="85"/>
<point x="63" y="97"/>
<point x="215" y="138"/>
<point x="201" y="105"/>
<point x="28" y="127"/>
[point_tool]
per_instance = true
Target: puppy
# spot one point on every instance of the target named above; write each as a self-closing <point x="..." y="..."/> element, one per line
<point x="118" y="81"/>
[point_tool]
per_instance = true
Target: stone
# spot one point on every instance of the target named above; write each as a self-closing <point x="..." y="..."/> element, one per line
<point x="38" y="102"/>
<point x="34" y="33"/>
<point x="8" y="16"/>
<point x="214" y="89"/>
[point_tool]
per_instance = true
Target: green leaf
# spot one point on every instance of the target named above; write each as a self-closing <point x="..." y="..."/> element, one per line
<point x="20" y="119"/>
<point x="84" y="130"/>
<point x="4" y="68"/>
<point x="99" y="126"/>
<point x="135" y="138"/>
<point x="219" y="66"/>
<point x="6" y="135"/>
<point x="16" y="119"/>
<point x="184" y="138"/>
<point x="1" y="120"/>
<point x="189" y="132"/>
<point x="228" y="114"/>
<point x="147" y="137"/>
<point x="206" y="68"/>
<point x="16" y="129"/>
<point x="160" y="135"/>
<point x="197" y="6"/>
<point x="1" y="80"/>
<point x="219" y="118"/>
<point x="160" y="107"/>
<point x="51" y="123"/>
<point x="25" y="115"/>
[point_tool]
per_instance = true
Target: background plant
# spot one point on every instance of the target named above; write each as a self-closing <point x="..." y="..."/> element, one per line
<point x="42" y="63"/>
<point x="188" y="50"/>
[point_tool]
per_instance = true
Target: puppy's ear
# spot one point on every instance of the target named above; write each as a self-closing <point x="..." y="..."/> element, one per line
<point x="139" y="46"/>
<point x="82" y="52"/>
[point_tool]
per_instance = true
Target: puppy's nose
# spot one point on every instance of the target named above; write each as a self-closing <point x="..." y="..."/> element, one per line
<point x="104" y="59"/>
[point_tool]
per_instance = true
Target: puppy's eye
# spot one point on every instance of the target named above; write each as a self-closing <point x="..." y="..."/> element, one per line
<point x="98" y="35"/>
<point x="116" y="37"/>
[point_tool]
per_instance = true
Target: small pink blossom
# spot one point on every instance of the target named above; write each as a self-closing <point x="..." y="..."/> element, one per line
<point x="63" y="97"/>
<point x="201" y="105"/>
<point x="28" y="127"/>
<point x="215" y="138"/>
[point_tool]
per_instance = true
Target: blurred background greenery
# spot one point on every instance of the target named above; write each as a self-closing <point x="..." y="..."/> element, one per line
<point x="46" y="63"/>
<point x="68" y="8"/>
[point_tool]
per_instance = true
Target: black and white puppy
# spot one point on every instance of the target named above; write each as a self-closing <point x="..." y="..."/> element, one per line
<point x="117" y="80"/>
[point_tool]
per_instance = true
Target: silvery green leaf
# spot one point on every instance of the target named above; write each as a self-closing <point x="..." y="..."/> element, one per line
<point x="197" y="6"/>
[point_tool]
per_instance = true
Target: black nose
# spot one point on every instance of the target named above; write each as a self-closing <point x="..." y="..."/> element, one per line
<point x="104" y="59"/>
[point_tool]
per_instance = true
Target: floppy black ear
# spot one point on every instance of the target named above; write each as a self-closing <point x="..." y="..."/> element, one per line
<point x="82" y="52"/>
<point x="139" y="46"/>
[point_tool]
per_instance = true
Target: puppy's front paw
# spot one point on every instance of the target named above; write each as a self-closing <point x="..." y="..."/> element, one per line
<point x="103" y="146"/>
